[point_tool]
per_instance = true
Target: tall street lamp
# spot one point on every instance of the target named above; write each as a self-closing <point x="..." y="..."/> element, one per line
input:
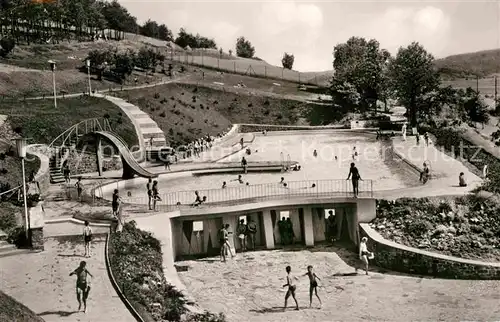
<point x="21" y="152"/>
<point x="53" y="69"/>
<point x="88" y="72"/>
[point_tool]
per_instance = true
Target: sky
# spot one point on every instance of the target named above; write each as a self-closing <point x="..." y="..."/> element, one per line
<point x="310" y="29"/>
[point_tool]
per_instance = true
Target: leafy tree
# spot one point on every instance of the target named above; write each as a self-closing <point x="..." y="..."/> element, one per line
<point x="150" y="29"/>
<point x="413" y="77"/>
<point x="363" y="64"/>
<point x="185" y="39"/>
<point x="287" y="60"/>
<point x="244" y="48"/>
<point x="146" y="58"/>
<point x="164" y="33"/>
<point x="475" y="108"/>
<point x="7" y="44"/>
<point x="124" y="64"/>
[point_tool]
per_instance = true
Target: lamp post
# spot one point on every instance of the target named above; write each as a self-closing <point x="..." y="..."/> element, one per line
<point x="88" y="72"/>
<point x="53" y="68"/>
<point x="21" y="152"/>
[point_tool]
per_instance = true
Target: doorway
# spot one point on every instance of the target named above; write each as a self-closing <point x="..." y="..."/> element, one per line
<point x="301" y="224"/>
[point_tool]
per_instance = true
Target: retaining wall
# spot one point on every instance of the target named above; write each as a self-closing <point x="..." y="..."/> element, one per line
<point x="401" y="258"/>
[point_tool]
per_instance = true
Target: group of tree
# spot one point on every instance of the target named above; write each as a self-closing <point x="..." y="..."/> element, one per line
<point x="120" y="64"/>
<point x="287" y="60"/>
<point x="185" y="39"/>
<point x="366" y="74"/>
<point x="31" y="21"/>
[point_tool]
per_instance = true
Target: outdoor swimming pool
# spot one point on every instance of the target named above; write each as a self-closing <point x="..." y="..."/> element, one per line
<point x="372" y="162"/>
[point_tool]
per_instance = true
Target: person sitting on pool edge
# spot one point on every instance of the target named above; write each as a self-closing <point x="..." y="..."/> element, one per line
<point x="461" y="180"/>
<point x="224" y="185"/>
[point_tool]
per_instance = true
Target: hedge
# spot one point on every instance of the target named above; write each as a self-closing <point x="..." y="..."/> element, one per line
<point x="136" y="262"/>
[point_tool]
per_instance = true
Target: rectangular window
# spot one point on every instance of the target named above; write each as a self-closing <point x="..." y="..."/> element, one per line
<point x="197" y="226"/>
<point x="284" y="214"/>
<point x="329" y="212"/>
<point x="244" y="218"/>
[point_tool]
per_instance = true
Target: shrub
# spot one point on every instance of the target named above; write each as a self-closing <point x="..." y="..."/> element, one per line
<point x="163" y="114"/>
<point x="156" y="95"/>
<point x="7" y="44"/>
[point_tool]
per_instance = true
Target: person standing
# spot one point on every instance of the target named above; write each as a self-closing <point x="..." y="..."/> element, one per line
<point x="82" y="285"/>
<point x="115" y="204"/>
<point x="355" y="177"/>
<point x="87" y="238"/>
<point x="289" y="231"/>
<point x="156" y="194"/>
<point x="244" y="164"/>
<point x="242" y="232"/>
<point x="251" y="231"/>
<point x="313" y="285"/>
<point x="282" y="231"/>
<point x="364" y="254"/>
<point x="79" y="188"/>
<point x="150" y="193"/>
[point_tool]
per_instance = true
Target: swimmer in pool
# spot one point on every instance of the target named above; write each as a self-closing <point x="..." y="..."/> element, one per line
<point x="224" y="185"/>
<point x="240" y="179"/>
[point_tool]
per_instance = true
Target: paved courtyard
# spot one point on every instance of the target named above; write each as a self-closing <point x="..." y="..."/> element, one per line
<point x="41" y="281"/>
<point x="249" y="288"/>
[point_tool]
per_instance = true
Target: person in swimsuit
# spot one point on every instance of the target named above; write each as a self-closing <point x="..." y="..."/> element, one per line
<point x="79" y="188"/>
<point x="224" y="242"/>
<point x="244" y="164"/>
<point x="87" y="238"/>
<point x="313" y="285"/>
<point x="291" y="288"/>
<point x="240" y="179"/>
<point x="364" y="253"/>
<point x="82" y="285"/>
<point x="242" y="232"/>
<point x="354" y="172"/>
<point x="224" y="185"/>
<point x="315" y="153"/>
<point x="150" y="193"/>
<point x="461" y="180"/>
<point x="115" y="204"/>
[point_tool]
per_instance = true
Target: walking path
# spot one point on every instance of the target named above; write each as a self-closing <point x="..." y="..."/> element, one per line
<point x="41" y="281"/>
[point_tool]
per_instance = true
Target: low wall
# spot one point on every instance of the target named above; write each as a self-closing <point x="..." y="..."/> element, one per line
<point x="245" y="128"/>
<point x="71" y="227"/>
<point x="43" y="175"/>
<point x="401" y="258"/>
<point x="80" y="163"/>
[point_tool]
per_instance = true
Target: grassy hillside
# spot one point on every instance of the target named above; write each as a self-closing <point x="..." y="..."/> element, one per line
<point x="11" y="310"/>
<point x="40" y="122"/>
<point x="481" y="63"/>
<point x="185" y="112"/>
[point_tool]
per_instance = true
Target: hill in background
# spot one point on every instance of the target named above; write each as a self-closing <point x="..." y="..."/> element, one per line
<point x="482" y="63"/>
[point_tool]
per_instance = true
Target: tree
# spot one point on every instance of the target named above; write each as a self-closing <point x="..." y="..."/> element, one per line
<point x="413" y="77"/>
<point x="185" y="39"/>
<point x="244" y="48"/>
<point x="287" y="60"/>
<point x="146" y="59"/>
<point x="363" y="64"/>
<point x="475" y="108"/>
<point x="150" y="29"/>
<point x="164" y="33"/>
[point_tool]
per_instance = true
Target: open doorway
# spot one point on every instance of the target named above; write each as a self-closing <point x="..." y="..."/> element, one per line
<point x="330" y="225"/>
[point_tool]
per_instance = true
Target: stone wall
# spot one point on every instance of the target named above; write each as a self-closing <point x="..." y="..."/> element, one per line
<point x="245" y="128"/>
<point x="401" y="258"/>
<point x="80" y="163"/>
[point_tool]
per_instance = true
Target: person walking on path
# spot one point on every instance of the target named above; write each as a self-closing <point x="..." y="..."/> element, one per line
<point x="251" y="231"/>
<point x="425" y="174"/>
<point x="149" y="189"/>
<point x="87" y="238"/>
<point x="156" y="194"/>
<point x="364" y="254"/>
<point x="291" y="288"/>
<point x="313" y="285"/>
<point x="82" y="285"/>
<point x="355" y="177"/>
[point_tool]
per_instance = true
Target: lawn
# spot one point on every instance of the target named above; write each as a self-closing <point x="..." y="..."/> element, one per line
<point x="11" y="310"/>
<point x="253" y="67"/>
<point x="41" y="123"/>
<point x="186" y="112"/>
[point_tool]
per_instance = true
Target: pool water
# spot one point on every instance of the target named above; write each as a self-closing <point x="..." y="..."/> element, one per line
<point x="373" y="163"/>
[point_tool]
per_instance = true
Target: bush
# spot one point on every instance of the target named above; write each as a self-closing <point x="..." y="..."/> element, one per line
<point x="7" y="45"/>
<point x="136" y="262"/>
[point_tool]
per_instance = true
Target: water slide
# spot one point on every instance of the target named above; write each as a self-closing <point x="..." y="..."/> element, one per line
<point x="130" y="165"/>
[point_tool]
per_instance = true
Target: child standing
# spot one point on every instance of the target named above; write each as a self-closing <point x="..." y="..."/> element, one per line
<point x="87" y="238"/>
<point x="313" y="285"/>
<point x="291" y="288"/>
<point x="79" y="188"/>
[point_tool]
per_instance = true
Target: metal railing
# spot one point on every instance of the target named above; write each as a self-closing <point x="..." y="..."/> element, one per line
<point x="258" y="193"/>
